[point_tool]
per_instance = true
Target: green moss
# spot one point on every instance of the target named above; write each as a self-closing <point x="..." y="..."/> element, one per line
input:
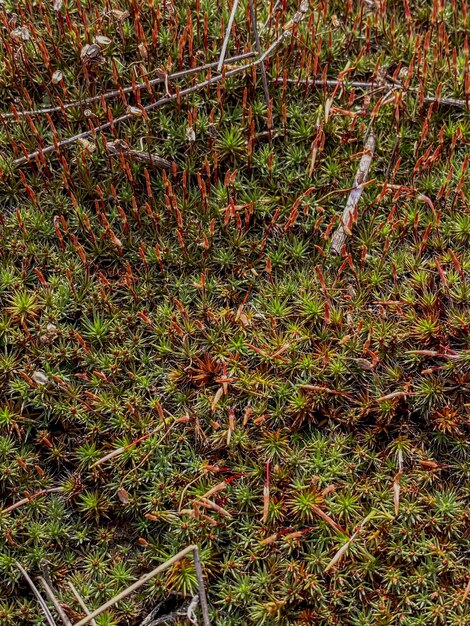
<point x="194" y="323"/>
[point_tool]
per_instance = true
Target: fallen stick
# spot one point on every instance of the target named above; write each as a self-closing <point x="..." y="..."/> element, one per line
<point x="51" y="595"/>
<point x="202" y="591"/>
<point x="126" y="592"/>
<point x="332" y="82"/>
<point x="170" y="98"/>
<point x="128" y="116"/>
<point x="321" y="389"/>
<point x="145" y="578"/>
<point x="450" y="102"/>
<point x="395" y="394"/>
<point x="117" y="451"/>
<point x="193" y="70"/>
<point x="348" y="217"/>
<point x="48" y="587"/>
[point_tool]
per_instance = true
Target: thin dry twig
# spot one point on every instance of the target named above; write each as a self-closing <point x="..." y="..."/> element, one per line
<point x="120" y="147"/>
<point x="348" y="217"/>
<point x="227" y="35"/>
<point x="115" y="93"/>
<point x="259" y="51"/>
<point x="202" y="591"/>
<point x="287" y="31"/>
<point x="52" y="597"/>
<point x="450" y="102"/>
<point x="40" y="599"/>
<point x="119" y="451"/>
<point x="127" y="116"/>
<point x="331" y="82"/>
<point x="81" y="602"/>
<point x="30" y="498"/>
<point x="145" y="578"/>
<point x="46" y="583"/>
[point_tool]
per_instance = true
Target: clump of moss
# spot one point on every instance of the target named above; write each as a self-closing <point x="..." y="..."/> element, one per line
<point x="182" y="360"/>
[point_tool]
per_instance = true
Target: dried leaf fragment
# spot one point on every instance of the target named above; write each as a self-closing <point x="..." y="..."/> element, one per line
<point x="21" y="34"/>
<point x="88" y="145"/>
<point x="119" y="15"/>
<point x="40" y="377"/>
<point x="190" y="135"/>
<point x="57" y="76"/>
<point x="134" y="111"/>
<point x="123" y="495"/>
<point x="91" y="53"/>
<point x="101" y="40"/>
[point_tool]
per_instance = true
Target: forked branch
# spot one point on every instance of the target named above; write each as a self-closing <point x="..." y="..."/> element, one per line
<point x="286" y="33"/>
<point x="115" y="93"/>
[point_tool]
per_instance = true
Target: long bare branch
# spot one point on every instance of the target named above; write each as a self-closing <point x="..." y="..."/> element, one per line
<point x="334" y="82"/>
<point x="30" y="498"/>
<point x="120" y="147"/>
<point x="449" y="102"/>
<point x="200" y="583"/>
<point x="51" y="595"/>
<point x="331" y="82"/>
<point x="46" y="583"/>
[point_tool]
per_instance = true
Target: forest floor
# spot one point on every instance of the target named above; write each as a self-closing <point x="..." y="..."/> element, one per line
<point x="235" y="310"/>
